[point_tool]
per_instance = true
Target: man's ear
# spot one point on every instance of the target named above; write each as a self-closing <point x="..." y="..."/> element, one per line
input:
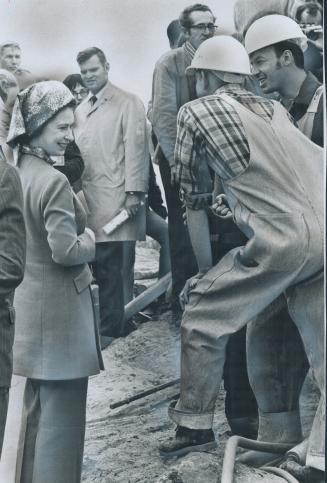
<point x="107" y="66"/>
<point x="186" y="33"/>
<point x="287" y="58"/>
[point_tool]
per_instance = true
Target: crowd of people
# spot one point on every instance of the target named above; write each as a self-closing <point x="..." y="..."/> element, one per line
<point x="236" y="126"/>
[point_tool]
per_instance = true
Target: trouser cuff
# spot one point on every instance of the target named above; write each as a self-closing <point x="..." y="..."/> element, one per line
<point x="284" y="427"/>
<point x="316" y="461"/>
<point x="190" y="420"/>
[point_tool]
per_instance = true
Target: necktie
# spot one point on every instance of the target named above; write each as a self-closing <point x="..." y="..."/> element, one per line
<point x="93" y="100"/>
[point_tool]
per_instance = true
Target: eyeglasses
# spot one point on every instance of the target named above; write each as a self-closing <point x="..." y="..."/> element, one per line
<point x="203" y="26"/>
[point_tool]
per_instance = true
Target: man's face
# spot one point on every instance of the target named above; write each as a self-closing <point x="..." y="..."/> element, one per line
<point x="267" y="69"/>
<point x="202" y="28"/>
<point x="94" y="74"/>
<point x="10" y="58"/>
<point x="80" y="93"/>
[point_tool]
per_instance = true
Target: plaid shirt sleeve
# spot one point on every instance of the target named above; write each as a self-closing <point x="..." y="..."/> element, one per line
<point x="191" y="160"/>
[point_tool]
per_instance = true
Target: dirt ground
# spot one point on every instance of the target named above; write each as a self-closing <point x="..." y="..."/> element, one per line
<point x="122" y="444"/>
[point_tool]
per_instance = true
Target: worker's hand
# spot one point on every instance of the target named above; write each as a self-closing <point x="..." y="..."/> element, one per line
<point x="173" y="176"/>
<point x="191" y="283"/>
<point x="132" y="204"/>
<point x="220" y="207"/>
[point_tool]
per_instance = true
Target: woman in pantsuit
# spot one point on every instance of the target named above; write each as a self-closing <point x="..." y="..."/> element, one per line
<point x="56" y="346"/>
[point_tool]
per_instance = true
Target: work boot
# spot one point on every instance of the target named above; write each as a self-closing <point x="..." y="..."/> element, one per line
<point x="303" y="474"/>
<point x="186" y="441"/>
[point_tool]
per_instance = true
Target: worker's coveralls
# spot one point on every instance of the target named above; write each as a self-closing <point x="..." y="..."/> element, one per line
<point x="276" y="360"/>
<point x="278" y="202"/>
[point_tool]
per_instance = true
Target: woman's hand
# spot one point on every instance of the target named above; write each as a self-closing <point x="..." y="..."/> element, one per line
<point x="191" y="283"/>
<point x="220" y="207"/>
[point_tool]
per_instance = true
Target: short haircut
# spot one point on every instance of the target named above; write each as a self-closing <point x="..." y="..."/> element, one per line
<point x="296" y="50"/>
<point x="86" y="54"/>
<point x="184" y="17"/>
<point x="9" y="44"/>
<point x="72" y="80"/>
<point x="7" y="79"/>
<point x="174" y="30"/>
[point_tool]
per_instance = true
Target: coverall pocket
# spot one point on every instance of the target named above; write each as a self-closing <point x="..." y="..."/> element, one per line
<point x="279" y="242"/>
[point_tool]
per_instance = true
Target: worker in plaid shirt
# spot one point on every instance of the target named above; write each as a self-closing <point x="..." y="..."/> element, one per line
<point x="272" y="177"/>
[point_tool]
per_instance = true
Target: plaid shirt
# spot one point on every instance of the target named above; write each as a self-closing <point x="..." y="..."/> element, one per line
<point x="210" y="134"/>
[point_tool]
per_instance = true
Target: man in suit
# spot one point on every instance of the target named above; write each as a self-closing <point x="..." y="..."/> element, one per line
<point x="171" y="88"/>
<point x="111" y="134"/>
<point x="12" y="263"/>
<point x="10" y="59"/>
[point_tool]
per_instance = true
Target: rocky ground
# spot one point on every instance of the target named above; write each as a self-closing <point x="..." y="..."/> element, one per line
<point x="122" y="444"/>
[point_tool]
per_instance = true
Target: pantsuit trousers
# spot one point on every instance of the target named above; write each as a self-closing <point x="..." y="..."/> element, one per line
<point x="52" y="432"/>
<point x="4" y="400"/>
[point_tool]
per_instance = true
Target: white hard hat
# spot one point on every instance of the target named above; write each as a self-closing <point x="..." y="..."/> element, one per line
<point x="270" y="30"/>
<point x="223" y="53"/>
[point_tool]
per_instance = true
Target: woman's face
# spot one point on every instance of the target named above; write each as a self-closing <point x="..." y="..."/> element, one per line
<point x="56" y="134"/>
<point x="80" y="93"/>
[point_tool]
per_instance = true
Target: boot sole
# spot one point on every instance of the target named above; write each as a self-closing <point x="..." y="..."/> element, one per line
<point x="200" y="448"/>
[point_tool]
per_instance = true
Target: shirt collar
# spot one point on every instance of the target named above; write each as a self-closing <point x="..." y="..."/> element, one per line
<point x="189" y="49"/>
<point x="100" y="94"/>
<point x="307" y="90"/>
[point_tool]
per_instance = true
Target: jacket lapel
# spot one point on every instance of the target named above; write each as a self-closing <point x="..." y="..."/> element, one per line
<point x="105" y="97"/>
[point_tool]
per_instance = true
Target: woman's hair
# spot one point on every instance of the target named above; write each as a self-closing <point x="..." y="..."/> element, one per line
<point x="72" y="80"/>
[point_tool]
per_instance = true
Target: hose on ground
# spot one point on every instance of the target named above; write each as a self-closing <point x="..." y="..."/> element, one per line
<point x="279" y="472"/>
<point x="235" y="441"/>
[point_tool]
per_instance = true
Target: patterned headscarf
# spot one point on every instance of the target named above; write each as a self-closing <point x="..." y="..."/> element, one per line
<point x="35" y="106"/>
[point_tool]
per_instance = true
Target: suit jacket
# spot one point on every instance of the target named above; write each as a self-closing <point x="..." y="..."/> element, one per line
<point x="56" y="335"/>
<point x="112" y="138"/>
<point x="12" y="261"/>
<point x="171" y="89"/>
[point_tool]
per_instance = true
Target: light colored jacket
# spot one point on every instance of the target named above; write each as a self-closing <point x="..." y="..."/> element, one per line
<point x="56" y="336"/>
<point x="112" y="138"/>
<point x="171" y="89"/>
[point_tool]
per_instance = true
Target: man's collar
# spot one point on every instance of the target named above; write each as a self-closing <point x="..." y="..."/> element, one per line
<point x="231" y="88"/>
<point x="307" y="89"/>
<point x="189" y="49"/>
<point x="99" y="95"/>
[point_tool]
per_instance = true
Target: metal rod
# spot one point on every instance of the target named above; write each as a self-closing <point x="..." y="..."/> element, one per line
<point x="148" y="296"/>
<point x="143" y="394"/>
